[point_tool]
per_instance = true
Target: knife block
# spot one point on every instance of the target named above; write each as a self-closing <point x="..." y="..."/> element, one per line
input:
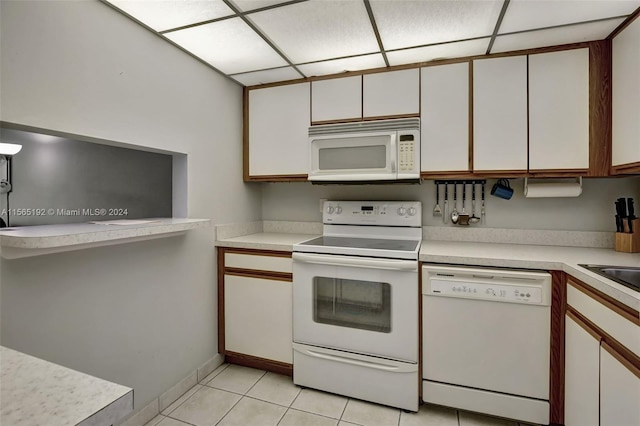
<point x="628" y="242"/>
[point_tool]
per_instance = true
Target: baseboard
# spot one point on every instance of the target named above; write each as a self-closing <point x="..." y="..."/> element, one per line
<point x="168" y="397"/>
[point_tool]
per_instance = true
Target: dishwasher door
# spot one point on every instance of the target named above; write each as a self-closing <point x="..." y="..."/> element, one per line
<point x="487" y="329"/>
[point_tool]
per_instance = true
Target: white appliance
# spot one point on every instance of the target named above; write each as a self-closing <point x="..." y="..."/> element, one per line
<point x="355" y="303"/>
<point x="486" y="340"/>
<point x="365" y="151"/>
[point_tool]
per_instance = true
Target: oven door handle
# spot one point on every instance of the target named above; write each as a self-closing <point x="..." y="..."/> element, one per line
<point x="393" y="367"/>
<point x="356" y="262"/>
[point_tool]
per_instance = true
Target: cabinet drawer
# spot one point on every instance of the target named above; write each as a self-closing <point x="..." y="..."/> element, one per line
<point x="258" y="263"/>
<point x="617" y="326"/>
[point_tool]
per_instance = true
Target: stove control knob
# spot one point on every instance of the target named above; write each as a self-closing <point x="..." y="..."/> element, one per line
<point x="411" y="211"/>
<point x="338" y="210"/>
<point x="330" y="209"/>
<point x="402" y="211"/>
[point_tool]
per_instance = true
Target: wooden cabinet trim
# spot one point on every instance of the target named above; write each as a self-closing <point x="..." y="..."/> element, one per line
<point x="557" y="361"/>
<point x="265" y="275"/>
<point x="245" y="134"/>
<point x="220" y="266"/>
<point x="603" y="336"/>
<point x="470" y="164"/>
<point x="276" y="178"/>
<point x="624" y="24"/>
<point x="256" y="252"/>
<point x="260" y="363"/>
<point x="634" y="368"/>
<point x="606" y="300"/>
<point x="629" y="168"/>
<point x="600" y="108"/>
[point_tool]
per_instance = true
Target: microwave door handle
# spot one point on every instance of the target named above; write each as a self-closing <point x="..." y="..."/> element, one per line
<point x="393" y="152"/>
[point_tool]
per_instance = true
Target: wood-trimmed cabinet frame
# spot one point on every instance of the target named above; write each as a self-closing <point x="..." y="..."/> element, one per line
<point x="617" y="350"/>
<point x="235" y="357"/>
<point x="600" y="119"/>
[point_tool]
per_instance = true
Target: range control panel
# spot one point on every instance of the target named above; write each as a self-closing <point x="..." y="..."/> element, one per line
<point x="380" y="213"/>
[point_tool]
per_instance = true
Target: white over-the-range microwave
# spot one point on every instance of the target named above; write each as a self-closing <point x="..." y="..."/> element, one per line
<point x="382" y="150"/>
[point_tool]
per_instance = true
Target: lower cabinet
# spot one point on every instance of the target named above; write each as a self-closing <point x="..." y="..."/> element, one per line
<point x="619" y="389"/>
<point x="602" y="365"/>
<point x="581" y="375"/>
<point x="255" y="324"/>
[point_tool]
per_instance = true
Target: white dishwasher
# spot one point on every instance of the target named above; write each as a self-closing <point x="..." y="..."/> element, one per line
<point x="486" y="340"/>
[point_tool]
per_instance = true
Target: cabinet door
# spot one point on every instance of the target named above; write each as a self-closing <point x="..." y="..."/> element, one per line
<point x="391" y="93"/>
<point x="582" y="355"/>
<point x="619" y="390"/>
<point x="336" y="99"/>
<point x="626" y="96"/>
<point x="258" y="317"/>
<point x="500" y="114"/>
<point x="444" y="118"/>
<point x="278" y="130"/>
<point x="559" y="110"/>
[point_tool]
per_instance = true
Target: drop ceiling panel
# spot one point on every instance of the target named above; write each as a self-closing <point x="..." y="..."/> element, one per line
<point x="440" y="51"/>
<point x="342" y="65"/>
<point x="413" y="23"/>
<point x="526" y="14"/>
<point x="166" y="14"/>
<point x="229" y="45"/>
<point x="317" y="30"/>
<point x="556" y="36"/>
<point x="246" y="5"/>
<point x="266" y="76"/>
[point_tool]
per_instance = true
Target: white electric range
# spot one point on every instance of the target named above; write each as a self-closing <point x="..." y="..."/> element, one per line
<point x="355" y="310"/>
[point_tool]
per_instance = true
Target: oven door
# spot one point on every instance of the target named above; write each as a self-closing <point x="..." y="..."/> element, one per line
<point x="353" y="157"/>
<point x="356" y="304"/>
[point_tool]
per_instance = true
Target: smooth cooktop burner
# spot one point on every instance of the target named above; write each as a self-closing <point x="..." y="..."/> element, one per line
<point x="364" y="243"/>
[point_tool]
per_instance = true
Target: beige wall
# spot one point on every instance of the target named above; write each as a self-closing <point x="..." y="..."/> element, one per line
<point x="141" y="314"/>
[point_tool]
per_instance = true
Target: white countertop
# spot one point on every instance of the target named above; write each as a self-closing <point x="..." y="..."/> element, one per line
<point x="490" y="254"/>
<point x="43" y="239"/>
<point x="37" y="392"/>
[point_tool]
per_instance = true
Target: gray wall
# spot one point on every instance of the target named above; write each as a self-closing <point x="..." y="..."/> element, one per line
<point x="592" y="211"/>
<point x="68" y="176"/>
<point x="141" y="314"/>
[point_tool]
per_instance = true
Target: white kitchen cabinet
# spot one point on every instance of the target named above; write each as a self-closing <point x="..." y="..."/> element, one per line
<point x="255" y="321"/>
<point x="336" y="99"/>
<point x="626" y="97"/>
<point x="582" y="358"/>
<point x="444" y="118"/>
<point x="500" y="114"/>
<point x="258" y="317"/>
<point x="391" y="93"/>
<point x="278" y="130"/>
<point x="619" y="390"/>
<point x="559" y="110"/>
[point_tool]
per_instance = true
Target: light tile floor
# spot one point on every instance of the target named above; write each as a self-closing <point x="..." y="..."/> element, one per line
<point x="239" y="396"/>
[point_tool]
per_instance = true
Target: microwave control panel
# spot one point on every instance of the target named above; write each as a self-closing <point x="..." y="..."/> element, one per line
<point x="406" y="153"/>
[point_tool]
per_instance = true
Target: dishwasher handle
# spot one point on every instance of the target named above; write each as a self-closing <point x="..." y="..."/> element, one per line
<point x="356" y="262"/>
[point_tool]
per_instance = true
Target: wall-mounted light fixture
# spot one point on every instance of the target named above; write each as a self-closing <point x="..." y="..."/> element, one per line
<point x="7" y="150"/>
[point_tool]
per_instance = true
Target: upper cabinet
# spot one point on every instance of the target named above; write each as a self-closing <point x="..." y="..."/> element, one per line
<point x="391" y="93"/>
<point x="500" y="114"/>
<point x="278" y="132"/>
<point x="337" y="99"/>
<point x="444" y="118"/>
<point x="559" y="110"/>
<point x="626" y="100"/>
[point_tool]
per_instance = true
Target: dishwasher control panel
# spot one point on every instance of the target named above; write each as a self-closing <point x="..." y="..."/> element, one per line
<point x="507" y="293"/>
<point x="510" y="286"/>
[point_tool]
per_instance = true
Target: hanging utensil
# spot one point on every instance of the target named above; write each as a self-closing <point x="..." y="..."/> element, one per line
<point x="463" y="218"/>
<point x="445" y="216"/>
<point x="454" y="213"/>
<point x="437" y="211"/>
<point x="483" y="212"/>
<point x="473" y="218"/>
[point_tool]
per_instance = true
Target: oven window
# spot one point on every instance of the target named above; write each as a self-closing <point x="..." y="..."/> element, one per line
<point x="364" y="305"/>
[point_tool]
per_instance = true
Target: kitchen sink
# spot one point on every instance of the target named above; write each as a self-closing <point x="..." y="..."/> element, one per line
<point x="626" y="275"/>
